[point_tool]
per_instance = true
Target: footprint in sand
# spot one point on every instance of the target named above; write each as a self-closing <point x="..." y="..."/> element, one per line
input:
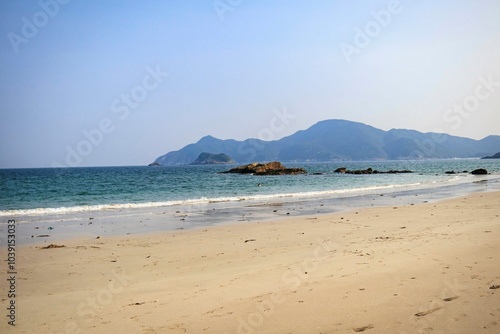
<point x="362" y="329"/>
<point x="449" y="299"/>
<point x="423" y="314"/>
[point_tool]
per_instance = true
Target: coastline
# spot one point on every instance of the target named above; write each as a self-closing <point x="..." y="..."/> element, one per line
<point x="50" y="228"/>
<point x="419" y="268"/>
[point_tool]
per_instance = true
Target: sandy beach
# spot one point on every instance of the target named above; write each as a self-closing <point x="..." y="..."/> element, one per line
<point x="422" y="268"/>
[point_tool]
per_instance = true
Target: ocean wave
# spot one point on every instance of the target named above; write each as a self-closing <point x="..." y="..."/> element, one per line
<point x="198" y="201"/>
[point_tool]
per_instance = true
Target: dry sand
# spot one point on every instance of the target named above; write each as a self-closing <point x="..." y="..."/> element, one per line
<point x="423" y="268"/>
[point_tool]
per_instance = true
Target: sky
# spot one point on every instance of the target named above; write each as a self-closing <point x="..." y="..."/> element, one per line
<point x="117" y="83"/>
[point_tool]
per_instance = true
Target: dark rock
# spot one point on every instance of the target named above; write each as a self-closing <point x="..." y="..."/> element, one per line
<point x="397" y="172"/>
<point x="154" y="164"/>
<point x="344" y="170"/>
<point x="480" y="171"/>
<point x="53" y="246"/>
<point x="450" y="172"/>
<point x="271" y="168"/>
<point x="364" y="171"/>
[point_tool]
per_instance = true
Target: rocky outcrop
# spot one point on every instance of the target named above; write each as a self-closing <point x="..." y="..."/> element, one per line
<point x="496" y="156"/>
<point x="480" y="171"/>
<point x="341" y="170"/>
<point x="213" y="159"/>
<point x="271" y="168"/>
<point x="344" y="170"/>
<point x="154" y="164"/>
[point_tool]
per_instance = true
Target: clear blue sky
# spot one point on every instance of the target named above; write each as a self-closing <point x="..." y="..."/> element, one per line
<point x="143" y="78"/>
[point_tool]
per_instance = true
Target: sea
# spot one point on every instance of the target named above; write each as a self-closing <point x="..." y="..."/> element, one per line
<point x="53" y="203"/>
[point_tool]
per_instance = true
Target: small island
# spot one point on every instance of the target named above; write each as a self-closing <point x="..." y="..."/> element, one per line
<point x="496" y="156"/>
<point x="271" y="168"/>
<point x="213" y="159"/>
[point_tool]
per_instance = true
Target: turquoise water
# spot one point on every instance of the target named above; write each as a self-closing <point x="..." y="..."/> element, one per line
<point x="52" y="191"/>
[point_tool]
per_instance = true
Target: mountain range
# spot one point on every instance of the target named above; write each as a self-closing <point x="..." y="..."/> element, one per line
<point x="338" y="140"/>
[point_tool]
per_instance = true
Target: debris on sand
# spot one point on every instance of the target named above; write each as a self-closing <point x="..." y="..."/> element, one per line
<point x="52" y="246"/>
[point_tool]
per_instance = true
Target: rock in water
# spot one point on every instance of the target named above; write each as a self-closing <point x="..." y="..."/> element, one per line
<point x="480" y="171"/>
<point x="344" y="170"/>
<point x="271" y="168"/>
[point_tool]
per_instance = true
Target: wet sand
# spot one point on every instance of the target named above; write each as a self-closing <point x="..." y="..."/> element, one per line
<point x="50" y="228"/>
<point x="423" y="268"/>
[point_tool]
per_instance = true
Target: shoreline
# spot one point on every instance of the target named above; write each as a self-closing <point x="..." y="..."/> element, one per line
<point x="123" y="222"/>
<point x="399" y="269"/>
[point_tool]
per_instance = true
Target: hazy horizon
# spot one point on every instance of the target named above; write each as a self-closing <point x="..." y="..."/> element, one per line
<point x="125" y="82"/>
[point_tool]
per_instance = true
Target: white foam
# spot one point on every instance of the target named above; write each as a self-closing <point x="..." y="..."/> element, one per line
<point x="198" y="201"/>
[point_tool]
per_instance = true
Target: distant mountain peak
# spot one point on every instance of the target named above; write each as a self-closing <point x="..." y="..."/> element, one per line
<point x="207" y="139"/>
<point x="339" y="140"/>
